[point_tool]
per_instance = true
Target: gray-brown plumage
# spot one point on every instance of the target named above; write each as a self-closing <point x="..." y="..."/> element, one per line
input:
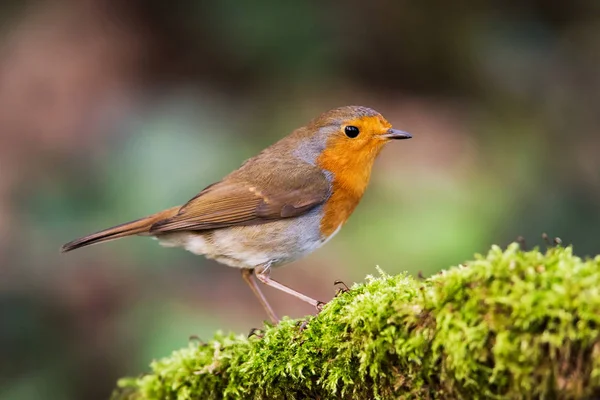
<point x="278" y="206"/>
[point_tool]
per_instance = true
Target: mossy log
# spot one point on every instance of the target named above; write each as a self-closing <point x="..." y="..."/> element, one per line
<point x="508" y="325"/>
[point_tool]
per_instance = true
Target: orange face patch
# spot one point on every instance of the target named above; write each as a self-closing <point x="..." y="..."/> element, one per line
<point x="372" y="126"/>
<point x="350" y="161"/>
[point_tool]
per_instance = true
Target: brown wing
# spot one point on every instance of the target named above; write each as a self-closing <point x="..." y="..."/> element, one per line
<point x="234" y="202"/>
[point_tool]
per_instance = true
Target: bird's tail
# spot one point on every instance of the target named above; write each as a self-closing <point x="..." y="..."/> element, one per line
<point x="137" y="227"/>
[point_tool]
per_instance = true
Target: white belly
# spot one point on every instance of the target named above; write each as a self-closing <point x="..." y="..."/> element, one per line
<point x="276" y="243"/>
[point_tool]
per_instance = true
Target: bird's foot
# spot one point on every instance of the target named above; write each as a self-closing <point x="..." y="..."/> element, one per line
<point x="256" y="332"/>
<point x="340" y="290"/>
<point x="320" y="306"/>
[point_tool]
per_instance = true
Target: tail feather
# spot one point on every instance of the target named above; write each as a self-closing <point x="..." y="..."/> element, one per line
<point x="137" y="227"/>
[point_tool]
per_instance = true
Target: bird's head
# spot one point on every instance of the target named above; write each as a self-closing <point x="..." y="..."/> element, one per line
<point x="348" y="141"/>
<point x="355" y="129"/>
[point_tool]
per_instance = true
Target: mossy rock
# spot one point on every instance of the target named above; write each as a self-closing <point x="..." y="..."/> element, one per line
<point x="509" y="325"/>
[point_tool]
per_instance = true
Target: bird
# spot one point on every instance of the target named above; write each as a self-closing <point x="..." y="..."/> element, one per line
<point x="279" y="205"/>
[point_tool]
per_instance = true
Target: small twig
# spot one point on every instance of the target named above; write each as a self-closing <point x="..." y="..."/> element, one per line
<point x="302" y="325"/>
<point x="556" y="241"/>
<point x="522" y="243"/>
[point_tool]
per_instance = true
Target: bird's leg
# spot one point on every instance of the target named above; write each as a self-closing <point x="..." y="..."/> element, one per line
<point x="247" y="275"/>
<point x="263" y="272"/>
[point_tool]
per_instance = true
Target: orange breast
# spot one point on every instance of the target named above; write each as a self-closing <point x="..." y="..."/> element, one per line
<point x="337" y="210"/>
<point x="351" y="173"/>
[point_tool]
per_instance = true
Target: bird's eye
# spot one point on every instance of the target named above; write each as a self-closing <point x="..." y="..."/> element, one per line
<point x="351" y="131"/>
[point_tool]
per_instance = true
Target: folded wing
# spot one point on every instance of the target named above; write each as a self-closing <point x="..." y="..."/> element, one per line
<point x="236" y="202"/>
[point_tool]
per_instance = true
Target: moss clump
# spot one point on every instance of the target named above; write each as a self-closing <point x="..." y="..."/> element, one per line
<point x="511" y="324"/>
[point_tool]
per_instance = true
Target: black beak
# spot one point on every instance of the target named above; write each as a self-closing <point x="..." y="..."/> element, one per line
<point x="396" y="134"/>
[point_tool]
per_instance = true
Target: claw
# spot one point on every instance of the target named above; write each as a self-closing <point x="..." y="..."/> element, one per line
<point x="320" y="306"/>
<point x="196" y="338"/>
<point x="255" y="332"/>
<point x="345" y="287"/>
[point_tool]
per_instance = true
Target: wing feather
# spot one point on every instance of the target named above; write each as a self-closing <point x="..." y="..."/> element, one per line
<point x="234" y="202"/>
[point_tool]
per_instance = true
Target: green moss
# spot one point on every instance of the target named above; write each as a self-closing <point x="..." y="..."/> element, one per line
<point x="511" y="324"/>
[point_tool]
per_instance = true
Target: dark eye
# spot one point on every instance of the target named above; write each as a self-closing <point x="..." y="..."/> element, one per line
<point x="351" y="131"/>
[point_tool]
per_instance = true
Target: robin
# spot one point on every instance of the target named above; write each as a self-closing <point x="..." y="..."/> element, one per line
<point x="278" y="206"/>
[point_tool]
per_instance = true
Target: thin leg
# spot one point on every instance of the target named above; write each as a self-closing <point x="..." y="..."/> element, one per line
<point x="247" y="275"/>
<point x="262" y="273"/>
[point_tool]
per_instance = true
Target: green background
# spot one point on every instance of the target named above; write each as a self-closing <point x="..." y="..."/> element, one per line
<point x="112" y="110"/>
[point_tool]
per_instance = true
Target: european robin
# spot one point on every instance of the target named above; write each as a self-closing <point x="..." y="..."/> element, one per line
<point x="279" y="205"/>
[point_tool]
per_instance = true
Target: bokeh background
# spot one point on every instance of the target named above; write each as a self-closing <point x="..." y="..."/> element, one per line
<point x="111" y="110"/>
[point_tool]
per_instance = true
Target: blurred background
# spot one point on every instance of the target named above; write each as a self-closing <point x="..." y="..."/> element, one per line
<point x="111" y="110"/>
